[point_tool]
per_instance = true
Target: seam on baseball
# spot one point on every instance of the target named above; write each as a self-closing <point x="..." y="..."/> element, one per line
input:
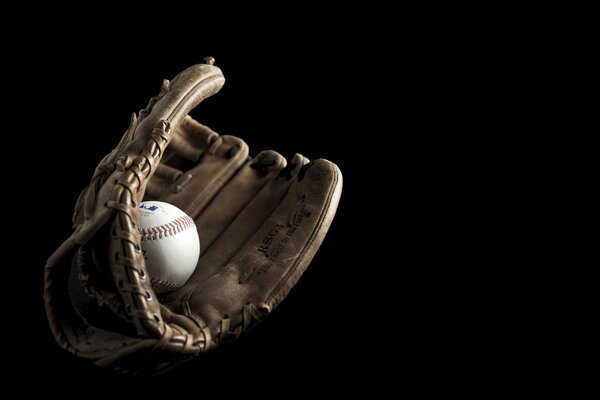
<point x="160" y="284"/>
<point x="172" y="228"/>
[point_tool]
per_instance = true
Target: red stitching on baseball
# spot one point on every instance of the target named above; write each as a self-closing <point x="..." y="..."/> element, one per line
<point x="159" y="284"/>
<point x="171" y="229"/>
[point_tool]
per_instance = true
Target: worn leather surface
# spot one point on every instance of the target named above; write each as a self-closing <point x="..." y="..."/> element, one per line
<point x="260" y="222"/>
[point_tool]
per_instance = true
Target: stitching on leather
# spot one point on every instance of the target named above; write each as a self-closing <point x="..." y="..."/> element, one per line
<point x="174" y="227"/>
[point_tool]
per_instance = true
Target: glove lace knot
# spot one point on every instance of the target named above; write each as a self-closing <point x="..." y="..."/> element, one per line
<point x="251" y="315"/>
<point x="262" y="165"/>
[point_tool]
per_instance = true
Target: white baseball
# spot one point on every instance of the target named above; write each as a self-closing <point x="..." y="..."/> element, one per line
<point x="170" y="244"/>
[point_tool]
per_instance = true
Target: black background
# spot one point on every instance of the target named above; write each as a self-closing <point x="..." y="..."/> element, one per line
<point x="387" y="300"/>
<point x="300" y="98"/>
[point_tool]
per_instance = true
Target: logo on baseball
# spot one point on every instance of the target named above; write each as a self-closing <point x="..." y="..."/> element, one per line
<point x="170" y="244"/>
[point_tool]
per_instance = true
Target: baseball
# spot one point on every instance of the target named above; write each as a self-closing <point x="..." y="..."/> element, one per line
<point x="170" y="244"/>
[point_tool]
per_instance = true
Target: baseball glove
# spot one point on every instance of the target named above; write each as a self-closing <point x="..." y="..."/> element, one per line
<point x="260" y="222"/>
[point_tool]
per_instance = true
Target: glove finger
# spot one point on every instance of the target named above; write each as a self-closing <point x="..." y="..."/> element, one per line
<point x="260" y="274"/>
<point x="195" y="188"/>
<point x="196" y="164"/>
<point x="188" y="142"/>
<point x="241" y="229"/>
<point x="234" y="196"/>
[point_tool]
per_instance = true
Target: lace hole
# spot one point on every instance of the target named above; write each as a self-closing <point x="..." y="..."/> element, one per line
<point x="303" y="170"/>
<point x="264" y="308"/>
<point x="232" y="151"/>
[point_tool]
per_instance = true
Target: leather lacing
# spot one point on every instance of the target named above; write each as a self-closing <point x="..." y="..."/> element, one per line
<point x="287" y="171"/>
<point x="140" y="306"/>
<point x="262" y="164"/>
<point x="232" y="151"/>
<point x="251" y="314"/>
<point x="214" y="142"/>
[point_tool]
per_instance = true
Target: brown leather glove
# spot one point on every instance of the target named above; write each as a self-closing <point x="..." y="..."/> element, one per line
<point x="260" y="222"/>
